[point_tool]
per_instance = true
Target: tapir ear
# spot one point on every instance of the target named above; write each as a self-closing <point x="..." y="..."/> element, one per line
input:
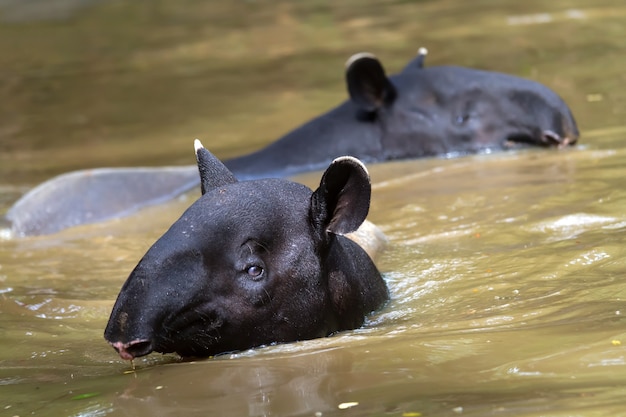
<point x="342" y="201"/>
<point x="417" y="63"/>
<point x="213" y="173"/>
<point x="368" y="84"/>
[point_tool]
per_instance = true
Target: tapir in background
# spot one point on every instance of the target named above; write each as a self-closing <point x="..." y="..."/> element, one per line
<point x="419" y="112"/>
<point x="252" y="263"/>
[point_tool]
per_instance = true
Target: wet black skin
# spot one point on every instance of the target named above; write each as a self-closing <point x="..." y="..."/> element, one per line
<point x="419" y="112"/>
<point x="252" y="263"/>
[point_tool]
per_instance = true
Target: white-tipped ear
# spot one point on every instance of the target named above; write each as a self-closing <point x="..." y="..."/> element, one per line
<point x="354" y="161"/>
<point x="367" y="83"/>
<point x="213" y="173"/>
<point x="359" y="56"/>
<point x="197" y="145"/>
<point x="418" y="62"/>
<point x="342" y="201"/>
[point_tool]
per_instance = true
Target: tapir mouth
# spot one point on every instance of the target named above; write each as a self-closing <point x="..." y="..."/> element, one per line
<point x="187" y="333"/>
<point x="131" y="350"/>
<point x="548" y="138"/>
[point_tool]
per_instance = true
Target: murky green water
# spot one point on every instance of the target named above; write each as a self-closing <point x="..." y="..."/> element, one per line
<point x="507" y="272"/>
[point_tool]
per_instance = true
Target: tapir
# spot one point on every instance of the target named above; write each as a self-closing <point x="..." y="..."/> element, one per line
<point x="252" y="263"/>
<point x="419" y="112"/>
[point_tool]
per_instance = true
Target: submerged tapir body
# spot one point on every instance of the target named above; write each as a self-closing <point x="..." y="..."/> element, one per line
<point x="418" y="112"/>
<point x="252" y="263"/>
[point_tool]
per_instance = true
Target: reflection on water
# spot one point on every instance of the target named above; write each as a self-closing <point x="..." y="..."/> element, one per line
<point x="506" y="271"/>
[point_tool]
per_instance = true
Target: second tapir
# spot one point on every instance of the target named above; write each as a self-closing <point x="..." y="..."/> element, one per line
<point x="252" y="263"/>
<point x="418" y="112"/>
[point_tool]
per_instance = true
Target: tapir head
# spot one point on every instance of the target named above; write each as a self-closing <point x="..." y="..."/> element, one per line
<point x="251" y="263"/>
<point x="453" y="110"/>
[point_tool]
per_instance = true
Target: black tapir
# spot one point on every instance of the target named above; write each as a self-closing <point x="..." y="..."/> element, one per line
<point x="252" y="263"/>
<point x="418" y="112"/>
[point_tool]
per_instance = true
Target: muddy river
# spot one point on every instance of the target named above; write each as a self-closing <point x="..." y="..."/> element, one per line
<point x="507" y="271"/>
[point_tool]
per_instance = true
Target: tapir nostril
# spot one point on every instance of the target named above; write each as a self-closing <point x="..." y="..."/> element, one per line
<point x="134" y="349"/>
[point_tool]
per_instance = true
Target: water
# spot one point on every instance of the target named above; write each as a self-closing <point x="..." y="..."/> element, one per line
<point x="506" y="270"/>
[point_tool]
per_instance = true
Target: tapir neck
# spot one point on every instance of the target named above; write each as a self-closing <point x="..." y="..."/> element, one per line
<point x="355" y="285"/>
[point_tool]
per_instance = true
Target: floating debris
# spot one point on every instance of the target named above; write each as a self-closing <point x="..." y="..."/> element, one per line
<point x="347" y="405"/>
<point x="85" y="396"/>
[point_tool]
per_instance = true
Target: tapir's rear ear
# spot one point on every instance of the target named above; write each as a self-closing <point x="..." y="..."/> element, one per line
<point x="368" y="84"/>
<point x="213" y="173"/>
<point x="342" y="201"/>
<point x="417" y="63"/>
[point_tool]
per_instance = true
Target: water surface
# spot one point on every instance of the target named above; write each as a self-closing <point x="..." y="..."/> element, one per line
<point x="506" y="270"/>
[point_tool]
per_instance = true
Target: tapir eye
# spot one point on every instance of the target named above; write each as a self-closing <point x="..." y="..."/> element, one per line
<point x="255" y="271"/>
